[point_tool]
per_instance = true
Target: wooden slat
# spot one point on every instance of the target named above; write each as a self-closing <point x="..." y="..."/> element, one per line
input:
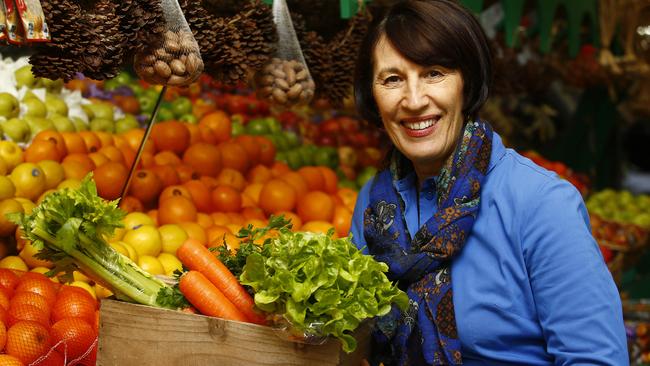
<point x="136" y="335"/>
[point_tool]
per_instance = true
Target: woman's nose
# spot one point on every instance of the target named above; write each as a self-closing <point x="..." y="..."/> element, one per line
<point x="415" y="98"/>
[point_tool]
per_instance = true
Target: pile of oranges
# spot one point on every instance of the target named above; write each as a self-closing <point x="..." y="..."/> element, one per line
<point x="45" y="323"/>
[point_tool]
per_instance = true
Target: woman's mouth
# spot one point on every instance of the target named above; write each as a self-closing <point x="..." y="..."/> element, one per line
<point x="420" y="127"/>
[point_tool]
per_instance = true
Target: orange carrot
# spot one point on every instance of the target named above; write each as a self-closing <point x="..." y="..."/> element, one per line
<point x="207" y="298"/>
<point x="197" y="257"/>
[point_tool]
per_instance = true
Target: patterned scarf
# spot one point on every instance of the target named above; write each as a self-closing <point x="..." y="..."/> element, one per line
<point x="426" y="334"/>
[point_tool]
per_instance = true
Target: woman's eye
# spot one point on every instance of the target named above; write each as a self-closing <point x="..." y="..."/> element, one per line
<point x="392" y="79"/>
<point x="434" y="74"/>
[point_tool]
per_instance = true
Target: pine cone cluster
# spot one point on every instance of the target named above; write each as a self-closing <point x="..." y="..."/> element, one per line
<point x="95" y="40"/>
<point x="315" y="51"/>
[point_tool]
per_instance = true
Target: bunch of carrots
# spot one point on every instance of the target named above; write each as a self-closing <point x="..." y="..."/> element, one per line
<point x="211" y="288"/>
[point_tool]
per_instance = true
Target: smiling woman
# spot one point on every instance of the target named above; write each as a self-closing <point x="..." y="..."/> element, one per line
<point x="495" y="253"/>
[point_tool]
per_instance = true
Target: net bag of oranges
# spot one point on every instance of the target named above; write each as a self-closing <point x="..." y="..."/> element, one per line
<point x="172" y="58"/>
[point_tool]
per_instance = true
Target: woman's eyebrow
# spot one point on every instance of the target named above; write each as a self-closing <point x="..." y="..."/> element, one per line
<point x="388" y="70"/>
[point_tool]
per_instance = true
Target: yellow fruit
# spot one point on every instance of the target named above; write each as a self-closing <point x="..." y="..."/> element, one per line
<point x="11" y="153"/>
<point x="118" y="234"/>
<point x="54" y="173"/>
<point x="172" y="236"/>
<point x="170" y="263"/>
<point x="133" y="255"/>
<point x="86" y="287"/>
<point x="7" y="188"/>
<point x="119" y="248"/>
<point x="13" y="262"/>
<point x="8" y="206"/>
<point x="43" y="195"/>
<point x="28" y="254"/>
<point x="101" y="291"/>
<point x="145" y="240"/>
<point x="44" y="270"/>
<point x="29" y="180"/>
<point x="69" y="183"/>
<point x="78" y="276"/>
<point x="151" y="265"/>
<point x="136" y="219"/>
<point x="28" y="205"/>
<point x="3" y="167"/>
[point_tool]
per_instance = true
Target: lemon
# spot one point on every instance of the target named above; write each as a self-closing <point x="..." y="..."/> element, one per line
<point x="7" y="188"/>
<point x="69" y="183"/>
<point x="29" y="180"/>
<point x="4" y="169"/>
<point x="78" y="276"/>
<point x="172" y="236"/>
<point x="101" y="291"/>
<point x="8" y="206"/>
<point x="13" y="262"/>
<point x="170" y="263"/>
<point x="28" y="255"/>
<point x="145" y="240"/>
<point x="11" y="154"/>
<point x="118" y="234"/>
<point x="43" y="195"/>
<point x="86" y="287"/>
<point x="151" y="265"/>
<point x="44" y="270"/>
<point x="119" y="248"/>
<point x="28" y="205"/>
<point x="54" y="173"/>
<point x="133" y="255"/>
<point x="136" y="219"/>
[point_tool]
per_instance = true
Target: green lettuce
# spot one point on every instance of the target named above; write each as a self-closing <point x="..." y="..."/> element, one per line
<point x="312" y="278"/>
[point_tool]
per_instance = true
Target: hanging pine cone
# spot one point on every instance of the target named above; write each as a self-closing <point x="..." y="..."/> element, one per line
<point x="223" y="8"/>
<point x="314" y="50"/>
<point x="104" y="48"/>
<point x="258" y="34"/>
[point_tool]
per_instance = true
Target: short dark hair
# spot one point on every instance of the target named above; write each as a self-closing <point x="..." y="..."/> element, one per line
<point x="429" y="32"/>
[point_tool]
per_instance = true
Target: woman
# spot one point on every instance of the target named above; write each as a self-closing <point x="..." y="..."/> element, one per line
<point x="495" y="253"/>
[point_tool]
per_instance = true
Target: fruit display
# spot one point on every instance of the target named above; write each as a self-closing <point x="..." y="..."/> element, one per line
<point x="580" y="181"/>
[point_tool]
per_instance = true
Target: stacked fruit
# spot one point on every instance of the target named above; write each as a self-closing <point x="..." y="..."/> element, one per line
<point x="44" y="323"/>
<point x="580" y="181"/>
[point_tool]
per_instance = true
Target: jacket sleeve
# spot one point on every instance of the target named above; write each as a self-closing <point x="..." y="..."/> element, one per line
<point x="577" y="301"/>
<point x="356" y="228"/>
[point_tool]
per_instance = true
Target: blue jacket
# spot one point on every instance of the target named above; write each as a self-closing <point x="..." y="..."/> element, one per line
<point x="530" y="285"/>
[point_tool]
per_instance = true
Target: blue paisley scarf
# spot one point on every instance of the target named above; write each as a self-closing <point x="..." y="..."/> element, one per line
<point x="426" y="334"/>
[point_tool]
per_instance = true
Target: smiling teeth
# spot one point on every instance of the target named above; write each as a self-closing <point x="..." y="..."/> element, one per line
<point x="420" y="125"/>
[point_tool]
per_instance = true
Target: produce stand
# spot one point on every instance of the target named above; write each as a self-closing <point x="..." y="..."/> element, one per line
<point x="134" y="335"/>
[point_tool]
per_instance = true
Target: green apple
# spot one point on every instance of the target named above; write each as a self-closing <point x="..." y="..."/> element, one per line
<point x="52" y="86"/>
<point x="295" y="159"/>
<point x="237" y="129"/>
<point x="274" y="124"/>
<point x="292" y="139"/>
<point x="181" y="106"/>
<point x="121" y="79"/>
<point x="126" y="123"/>
<point x="99" y="110"/>
<point x="24" y="77"/>
<point x="34" y="107"/>
<point x="55" y="105"/>
<point x="137" y="90"/>
<point x="17" y="129"/>
<point x="9" y="106"/>
<point x="38" y="124"/>
<point x="257" y="126"/>
<point x="165" y="114"/>
<point x="79" y="124"/>
<point x="365" y="175"/>
<point x="190" y="118"/>
<point x="62" y="123"/>
<point x="102" y="124"/>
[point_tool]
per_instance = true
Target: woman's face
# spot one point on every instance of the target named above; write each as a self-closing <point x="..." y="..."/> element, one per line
<point x="420" y="106"/>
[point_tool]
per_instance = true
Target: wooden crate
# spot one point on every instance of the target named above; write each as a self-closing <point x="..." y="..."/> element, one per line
<point x="137" y="335"/>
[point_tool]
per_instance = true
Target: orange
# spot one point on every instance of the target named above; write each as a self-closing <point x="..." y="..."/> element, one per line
<point x="255" y="223"/>
<point x="146" y="160"/>
<point x="74" y="169"/>
<point x="342" y="220"/>
<point x="55" y="137"/>
<point x="105" y="138"/>
<point x="231" y="242"/>
<point x="98" y="158"/>
<point x="220" y="218"/>
<point x="75" y="335"/>
<point x="249" y="143"/>
<point x="208" y="136"/>
<point x="348" y="196"/>
<point x="204" y="158"/>
<point x="73" y="143"/>
<point x="246" y="201"/>
<point x="110" y="179"/>
<point x="219" y="123"/>
<point x="267" y="150"/>
<point x="27" y="341"/>
<point x="235" y="227"/>
<point x="277" y="195"/>
<point x="226" y="199"/>
<point x="40" y="150"/>
<point x="234" y="156"/>
<point x="296" y="221"/>
<point x="186" y="172"/>
<point x="154" y="216"/>
<point x="167" y="174"/>
<point x="315" y="206"/>
<point x="259" y="174"/>
<point x="93" y="143"/>
<point x="170" y="135"/>
<point x="131" y="204"/>
<point x="210" y="182"/>
<point x="318" y="227"/>
<point x="129" y="156"/>
<point x="215" y="234"/>
<point x="204" y="220"/>
<point x="279" y="168"/>
<point x="253" y="213"/>
<point x="3" y="338"/>
<point x="330" y="179"/>
<point x="6" y="360"/>
<point x="253" y="191"/>
<point x="113" y="154"/>
<point x="134" y="138"/>
<point x="313" y="177"/>
<point x="120" y="142"/>
<point x="235" y="218"/>
<point x="195" y="133"/>
<point x="145" y="186"/>
<point x="175" y="210"/>
<point x="201" y="195"/>
<point x="297" y="182"/>
<point x="174" y="190"/>
<point x="231" y="177"/>
<point x="86" y="161"/>
<point x="194" y="231"/>
<point x="167" y="158"/>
